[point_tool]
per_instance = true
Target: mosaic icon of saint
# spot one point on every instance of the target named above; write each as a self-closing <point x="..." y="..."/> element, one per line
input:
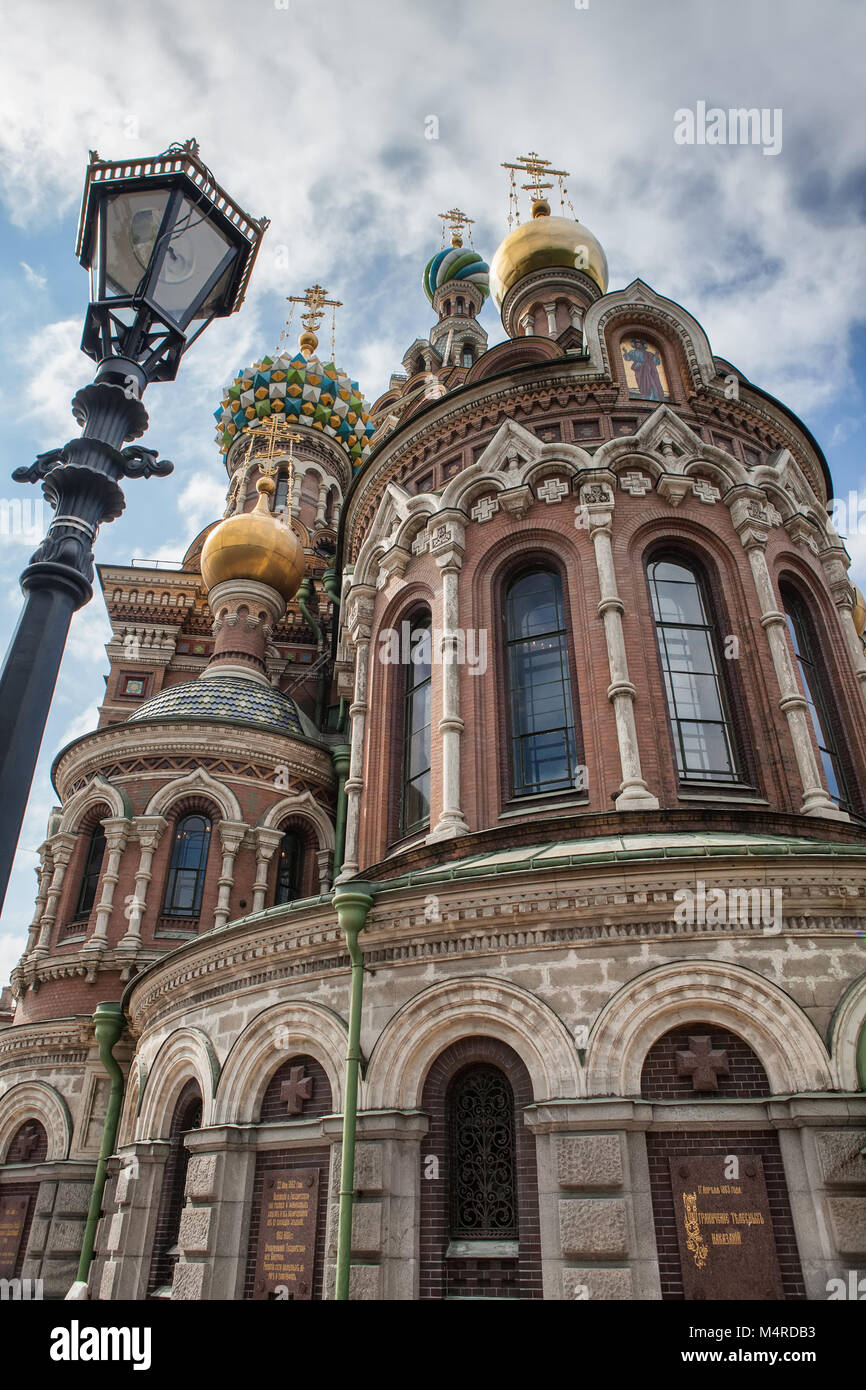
<point x="645" y="364"/>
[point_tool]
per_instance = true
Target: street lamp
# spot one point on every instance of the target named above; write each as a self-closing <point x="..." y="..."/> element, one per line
<point x="167" y="249"/>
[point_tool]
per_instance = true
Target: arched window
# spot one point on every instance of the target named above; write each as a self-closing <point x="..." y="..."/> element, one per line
<point x="187" y="1116"/>
<point x="813" y="678"/>
<point x="289" y="868"/>
<point x="186" y="872"/>
<point x="482" y="1167"/>
<point x="90" y="875"/>
<point x="415" y="799"/>
<point x="541" y="709"/>
<point x="460" y="304"/>
<point x="281" y="496"/>
<point x="467" y="355"/>
<point x="689" y="651"/>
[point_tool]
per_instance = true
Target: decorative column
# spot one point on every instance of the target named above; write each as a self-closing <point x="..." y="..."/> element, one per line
<point x="360" y="622"/>
<point x="149" y="830"/>
<point x="550" y="310"/>
<point x="231" y="835"/>
<point x="43" y="878"/>
<point x="527" y="325"/>
<point x="324" y="859"/>
<point x="62" y="846"/>
<point x="752" y="524"/>
<point x="322" y="503"/>
<point x="297" y="484"/>
<point x="447" y="546"/>
<point x="634" y="795"/>
<point x="116" y="831"/>
<point x="267" y="842"/>
<point x="835" y="562"/>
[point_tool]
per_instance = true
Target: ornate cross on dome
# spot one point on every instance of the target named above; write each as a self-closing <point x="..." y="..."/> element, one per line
<point x="703" y="1063"/>
<point x="296" y="1090"/>
<point x="456" y="220"/>
<point x="316" y="300"/>
<point x="539" y="171"/>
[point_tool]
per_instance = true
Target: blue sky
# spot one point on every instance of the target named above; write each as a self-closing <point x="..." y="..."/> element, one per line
<point x="317" y="115"/>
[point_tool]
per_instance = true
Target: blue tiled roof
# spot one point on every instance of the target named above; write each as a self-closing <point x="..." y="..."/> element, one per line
<point x="225" y="698"/>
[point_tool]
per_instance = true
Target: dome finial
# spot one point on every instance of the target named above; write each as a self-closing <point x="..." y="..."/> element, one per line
<point x="456" y="220"/>
<point x="539" y="171"/>
<point x="316" y="300"/>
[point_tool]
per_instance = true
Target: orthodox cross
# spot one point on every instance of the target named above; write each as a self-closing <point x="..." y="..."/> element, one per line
<point x="539" y="171"/>
<point x="316" y="301"/>
<point x="703" y="1063"/>
<point x="296" y="1090"/>
<point x="275" y="432"/>
<point x="456" y="220"/>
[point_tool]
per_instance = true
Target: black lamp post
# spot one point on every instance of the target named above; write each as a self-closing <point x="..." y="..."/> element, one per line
<point x="166" y="248"/>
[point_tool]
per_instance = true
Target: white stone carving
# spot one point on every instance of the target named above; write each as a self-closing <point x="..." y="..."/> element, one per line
<point x="553" y="490"/>
<point x="484" y="509"/>
<point x="638" y="484"/>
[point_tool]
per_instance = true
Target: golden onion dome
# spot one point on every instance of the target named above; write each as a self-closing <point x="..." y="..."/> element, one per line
<point x="545" y="241"/>
<point x="859" y="611"/>
<point x="255" y="545"/>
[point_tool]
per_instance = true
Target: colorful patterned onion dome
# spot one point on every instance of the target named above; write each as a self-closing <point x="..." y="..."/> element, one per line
<point x="303" y="391"/>
<point x="229" y="699"/>
<point x="456" y="263"/>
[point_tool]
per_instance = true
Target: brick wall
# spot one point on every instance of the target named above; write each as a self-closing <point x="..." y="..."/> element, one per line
<point x="274" y="1110"/>
<point x="660" y="1079"/>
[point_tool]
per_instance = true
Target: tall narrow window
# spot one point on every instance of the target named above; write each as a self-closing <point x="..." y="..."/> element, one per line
<point x="187" y="1116"/>
<point x="467" y="355"/>
<point x="288" y="868"/>
<point x="281" y="496"/>
<point x="814" y="682"/>
<point x="90" y="876"/>
<point x="688" y="647"/>
<point x="482" y="1158"/>
<point x="543" y="736"/>
<point x="188" y="862"/>
<point x="415" y="803"/>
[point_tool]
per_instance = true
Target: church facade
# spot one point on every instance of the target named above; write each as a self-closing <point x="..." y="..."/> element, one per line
<point x="537" y="686"/>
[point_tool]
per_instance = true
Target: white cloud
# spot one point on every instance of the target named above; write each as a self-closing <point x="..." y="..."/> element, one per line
<point x="38" y="282"/>
<point x="53" y="368"/>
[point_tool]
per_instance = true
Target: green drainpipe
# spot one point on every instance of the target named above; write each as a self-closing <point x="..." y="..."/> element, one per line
<point x="330" y="586"/>
<point x="353" y="902"/>
<point x="341" y="755"/>
<point x="109" y="1021"/>
<point x="303" y="596"/>
<point x="861" y="1061"/>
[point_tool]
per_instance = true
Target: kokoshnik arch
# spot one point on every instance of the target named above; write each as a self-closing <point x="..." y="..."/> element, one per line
<point x="548" y="1062"/>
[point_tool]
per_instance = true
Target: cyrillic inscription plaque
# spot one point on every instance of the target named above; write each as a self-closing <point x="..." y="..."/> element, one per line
<point x="286" y="1255"/>
<point x="724" y="1228"/>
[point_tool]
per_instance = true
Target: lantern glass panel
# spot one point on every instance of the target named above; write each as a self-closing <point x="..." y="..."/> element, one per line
<point x="132" y="224"/>
<point x="195" y="249"/>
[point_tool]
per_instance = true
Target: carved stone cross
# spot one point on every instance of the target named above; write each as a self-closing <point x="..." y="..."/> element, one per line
<point x="553" y="490"/>
<point x="635" y="483"/>
<point x="703" y="1063"/>
<point x="28" y="1140"/>
<point x="296" y="1090"/>
<point x="706" y="492"/>
<point x="484" y="509"/>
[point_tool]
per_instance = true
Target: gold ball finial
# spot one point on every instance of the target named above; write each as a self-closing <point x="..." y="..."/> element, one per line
<point x="541" y="208"/>
<point x="308" y="341"/>
<point x="265" y="486"/>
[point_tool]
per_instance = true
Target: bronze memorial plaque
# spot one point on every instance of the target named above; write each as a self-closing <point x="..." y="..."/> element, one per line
<point x="13" y="1216"/>
<point x="724" y="1228"/>
<point x="286" y="1255"/>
